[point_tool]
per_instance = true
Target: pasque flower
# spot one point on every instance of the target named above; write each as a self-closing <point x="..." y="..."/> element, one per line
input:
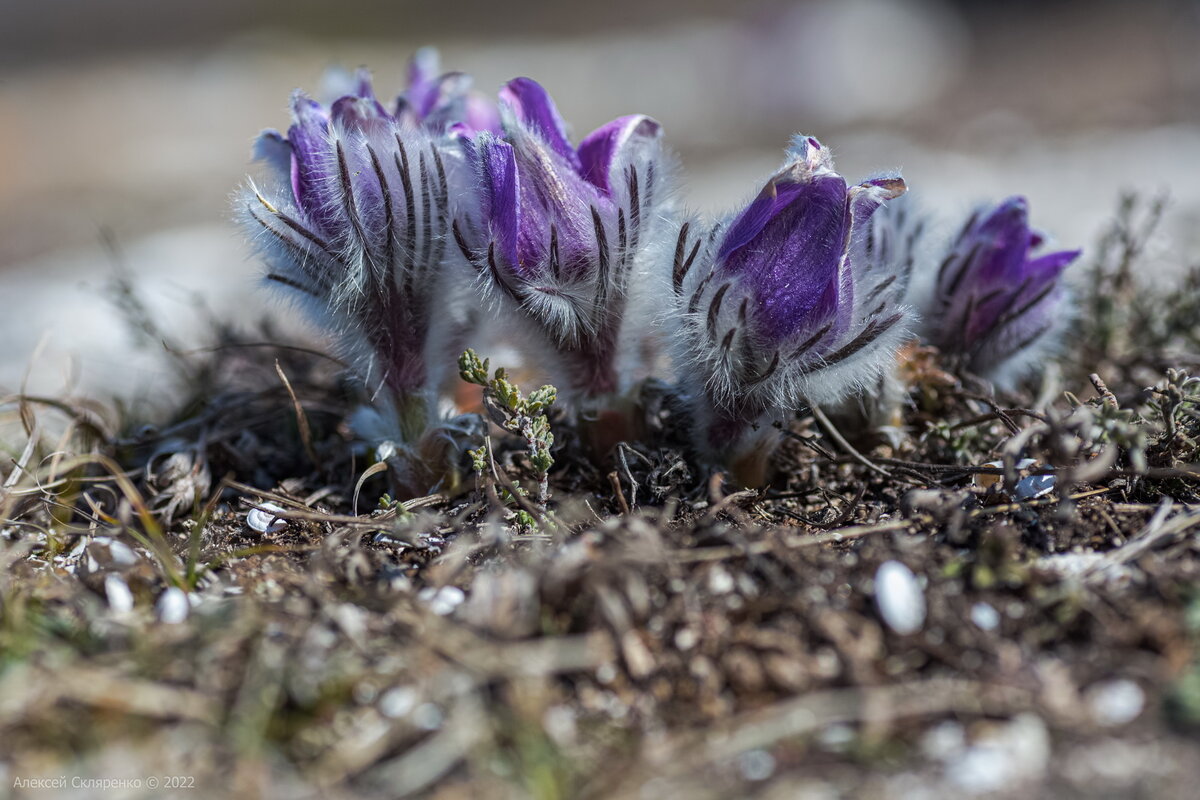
<point x="790" y="302"/>
<point x="563" y="230"/>
<point x="354" y="222"/>
<point x="995" y="304"/>
<point x="444" y="101"/>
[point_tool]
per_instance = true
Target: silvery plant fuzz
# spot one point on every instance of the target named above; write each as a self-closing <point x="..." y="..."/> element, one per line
<point x="784" y="304"/>
<point x="997" y="306"/>
<point x="353" y="223"/>
<point x="400" y="228"/>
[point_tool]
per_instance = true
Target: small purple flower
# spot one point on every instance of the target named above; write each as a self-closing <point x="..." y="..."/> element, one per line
<point x="995" y="303"/>
<point x="354" y="222"/>
<point x="791" y="301"/>
<point x="444" y="101"/>
<point x="563" y="228"/>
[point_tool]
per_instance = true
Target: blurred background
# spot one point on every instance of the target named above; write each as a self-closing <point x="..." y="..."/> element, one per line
<point x="130" y="122"/>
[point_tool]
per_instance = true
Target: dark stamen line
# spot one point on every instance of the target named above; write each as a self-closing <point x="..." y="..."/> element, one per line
<point x="443" y="202"/>
<point x="727" y="342"/>
<point x="299" y="229"/>
<point x="410" y="211"/>
<point x="679" y="270"/>
<point x="291" y="284"/>
<point x="869" y="335"/>
<point x="635" y="209"/>
<point x="461" y="241"/>
<point x="694" y="303"/>
<point x="554" y="263"/>
<point x="350" y="205"/>
<point x="714" y="308"/>
<point x="299" y="255"/>
<point x="423" y="264"/>
<point x="496" y="275"/>
<point x="879" y="287"/>
<point x="812" y="341"/>
<point x="389" y="222"/>
<point x="768" y="372"/>
<point x="1029" y="306"/>
<point x="603" y="259"/>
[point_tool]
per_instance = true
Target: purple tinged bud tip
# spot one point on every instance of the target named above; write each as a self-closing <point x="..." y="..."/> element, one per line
<point x="994" y="297"/>
<point x="532" y="105"/>
<point x="791" y="246"/>
<point x="601" y="147"/>
<point x="790" y="307"/>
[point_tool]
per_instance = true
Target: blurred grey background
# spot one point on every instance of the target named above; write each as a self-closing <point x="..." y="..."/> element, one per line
<point x="136" y="117"/>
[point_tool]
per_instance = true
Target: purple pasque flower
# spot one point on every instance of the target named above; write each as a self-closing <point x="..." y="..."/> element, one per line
<point x="793" y="301"/>
<point x="563" y="230"/>
<point x="353" y="222"/>
<point x="995" y="304"/>
<point x="444" y="101"/>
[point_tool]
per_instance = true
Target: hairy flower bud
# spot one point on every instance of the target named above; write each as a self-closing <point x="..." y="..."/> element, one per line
<point x="789" y="302"/>
<point x="995" y="306"/>
<point x="354" y="223"/>
<point x="563" y="229"/>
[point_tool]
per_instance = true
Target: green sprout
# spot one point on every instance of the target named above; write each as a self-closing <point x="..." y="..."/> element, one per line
<point x="513" y="411"/>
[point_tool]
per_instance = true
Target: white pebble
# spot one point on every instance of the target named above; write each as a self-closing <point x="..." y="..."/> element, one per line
<point x="1116" y="702"/>
<point x="720" y="581"/>
<point x="172" y="606"/>
<point x="756" y="765"/>
<point x="428" y="716"/>
<point x="265" y="519"/>
<point x="985" y="617"/>
<point x="1007" y="756"/>
<point x="120" y="599"/>
<point x="442" y="601"/>
<point x="397" y="702"/>
<point x="899" y="598"/>
<point x="121" y="553"/>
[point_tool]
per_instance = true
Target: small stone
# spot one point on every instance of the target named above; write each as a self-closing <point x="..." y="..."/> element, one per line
<point x="442" y="601"/>
<point x="1116" y="702"/>
<point x="720" y="581"/>
<point x="985" y="617"/>
<point x="397" y="702"/>
<point x="264" y="518"/>
<point x="1009" y="755"/>
<point x="172" y="606"/>
<point x="428" y="716"/>
<point x="899" y="598"/>
<point x="756" y="765"/>
<point x="120" y="554"/>
<point x="120" y="599"/>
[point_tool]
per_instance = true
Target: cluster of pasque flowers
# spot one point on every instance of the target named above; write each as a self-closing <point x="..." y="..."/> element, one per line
<point x="399" y="227"/>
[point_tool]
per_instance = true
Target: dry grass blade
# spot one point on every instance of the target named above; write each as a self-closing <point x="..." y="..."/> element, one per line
<point x="301" y="418"/>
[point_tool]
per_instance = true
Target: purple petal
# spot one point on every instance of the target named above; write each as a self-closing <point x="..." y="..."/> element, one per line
<point x="361" y="114"/>
<point x="533" y="107"/>
<point x="749" y="224"/>
<point x="423" y="71"/>
<point x="454" y="104"/>
<point x="310" y="169"/>
<point x="362" y="83"/>
<point x="497" y="167"/>
<point x="993" y="279"/>
<point x="275" y="151"/>
<point x="600" y="147"/>
<point x="481" y="114"/>
<point x="792" y="261"/>
<point x="865" y="200"/>
<point x="1005" y="236"/>
<point x="1048" y="267"/>
<point x="554" y="194"/>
